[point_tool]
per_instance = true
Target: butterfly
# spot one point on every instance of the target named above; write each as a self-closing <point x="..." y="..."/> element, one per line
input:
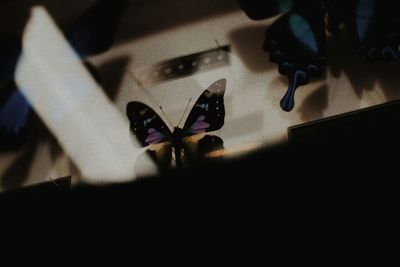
<point x="207" y="114"/>
<point x="91" y="34"/>
<point x="297" y="40"/>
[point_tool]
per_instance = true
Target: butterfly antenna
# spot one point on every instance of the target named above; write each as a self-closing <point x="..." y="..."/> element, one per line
<point x="162" y="110"/>
<point x="183" y="115"/>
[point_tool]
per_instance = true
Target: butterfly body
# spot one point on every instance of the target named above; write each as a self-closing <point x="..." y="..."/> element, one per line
<point x="297" y="40"/>
<point x="207" y="114"/>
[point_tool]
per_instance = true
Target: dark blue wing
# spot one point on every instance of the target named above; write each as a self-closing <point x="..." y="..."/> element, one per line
<point x="374" y="25"/>
<point x="208" y="113"/>
<point x="297" y="43"/>
<point x="94" y="31"/>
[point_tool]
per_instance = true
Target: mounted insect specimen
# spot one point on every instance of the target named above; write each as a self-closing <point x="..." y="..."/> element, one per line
<point x="180" y="144"/>
<point x="297" y="40"/>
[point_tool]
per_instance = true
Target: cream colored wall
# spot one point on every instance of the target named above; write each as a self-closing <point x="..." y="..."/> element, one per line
<point x="152" y="31"/>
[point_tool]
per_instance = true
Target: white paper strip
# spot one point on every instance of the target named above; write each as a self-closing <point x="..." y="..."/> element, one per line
<point x="87" y="125"/>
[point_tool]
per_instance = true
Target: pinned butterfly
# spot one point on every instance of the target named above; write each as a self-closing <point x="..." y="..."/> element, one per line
<point x="297" y="40"/>
<point x="182" y="145"/>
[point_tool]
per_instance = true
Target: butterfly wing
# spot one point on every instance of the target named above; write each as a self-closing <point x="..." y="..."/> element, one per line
<point x="375" y="27"/>
<point x="208" y="113"/>
<point x="151" y="131"/>
<point x="94" y="31"/>
<point x="146" y="125"/>
<point x="297" y="43"/>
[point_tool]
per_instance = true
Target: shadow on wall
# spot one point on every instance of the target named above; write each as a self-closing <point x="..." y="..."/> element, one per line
<point x="137" y="21"/>
<point x="314" y="105"/>
<point x="17" y="12"/>
<point x="111" y="74"/>
<point x="248" y="42"/>
<point x="342" y="60"/>
<point x="18" y="172"/>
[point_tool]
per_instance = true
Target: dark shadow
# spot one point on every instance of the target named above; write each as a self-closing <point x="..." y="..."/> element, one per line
<point x="195" y="153"/>
<point x="363" y="75"/>
<point x="138" y="21"/>
<point x="54" y="148"/>
<point x="18" y="12"/>
<point x="10" y="140"/>
<point x="314" y="105"/>
<point x="342" y="59"/>
<point x="388" y="75"/>
<point x="201" y="152"/>
<point x="111" y="73"/>
<point x="73" y="168"/>
<point x="141" y="165"/>
<point x="282" y="79"/>
<point x="16" y="174"/>
<point x="307" y="173"/>
<point x="45" y="191"/>
<point x="248" y="43"/>
<point x="279" y="81"/>
<point x="36" y="133"/>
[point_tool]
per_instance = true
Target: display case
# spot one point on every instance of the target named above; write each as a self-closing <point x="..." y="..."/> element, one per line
<point x="171" y="58"/>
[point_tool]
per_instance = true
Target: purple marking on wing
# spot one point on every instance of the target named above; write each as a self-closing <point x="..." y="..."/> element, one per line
<point x="154" y="137"/>
<point x="199" y="126"/>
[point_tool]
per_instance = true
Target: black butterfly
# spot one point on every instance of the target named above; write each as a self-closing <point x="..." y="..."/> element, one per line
<point x="297" y="40"/>
<point x="207" y="114"/>
<point x="91" y="34"/>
